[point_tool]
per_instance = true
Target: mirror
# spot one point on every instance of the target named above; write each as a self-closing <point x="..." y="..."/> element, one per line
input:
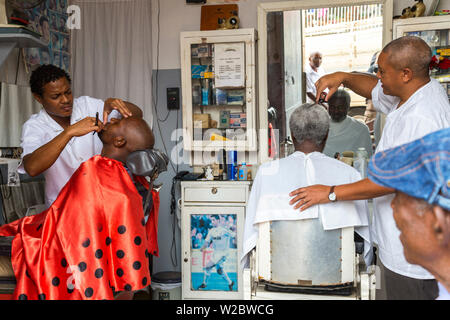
<point x="346" y="33"/>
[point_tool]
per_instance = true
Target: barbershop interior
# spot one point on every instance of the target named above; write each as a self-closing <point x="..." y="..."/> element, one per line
<point x="224" y="149"/>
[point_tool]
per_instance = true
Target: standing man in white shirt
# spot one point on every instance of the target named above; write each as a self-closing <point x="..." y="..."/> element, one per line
<point x="420" y="174"/>
<point x="313" y="72"/>
<point x="415" y="105"/>
<point x="59" y="138"/>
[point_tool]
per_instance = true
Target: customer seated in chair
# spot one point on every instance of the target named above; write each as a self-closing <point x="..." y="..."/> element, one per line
<point x="346" y="133"/>
<point x="94" y="240"/>
<point x="269" y="197"/>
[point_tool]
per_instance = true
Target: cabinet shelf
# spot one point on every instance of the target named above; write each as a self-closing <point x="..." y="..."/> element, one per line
<point x="219" y="105"/>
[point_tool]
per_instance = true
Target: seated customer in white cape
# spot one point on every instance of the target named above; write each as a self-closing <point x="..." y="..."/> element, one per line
<point x="269" y="198"/>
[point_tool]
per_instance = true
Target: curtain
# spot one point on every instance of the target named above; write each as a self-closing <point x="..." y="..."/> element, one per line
<point x="111" y="52"/>
<point x="16" y="106"/>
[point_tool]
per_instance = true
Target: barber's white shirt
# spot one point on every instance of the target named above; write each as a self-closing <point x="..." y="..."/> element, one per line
<point x="41" y="128"/>
<point x="443" y="293"/>
<point x="311" y="78"/>
<point x="269" y="197"/>
<point x="347" y="135"/>
<point x="426" y="111"/>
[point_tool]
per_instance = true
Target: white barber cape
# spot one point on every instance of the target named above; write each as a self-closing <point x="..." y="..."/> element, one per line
<point x="426" y="111"/>
<point x="269" y="197"/>
<point x="347" y="135"/>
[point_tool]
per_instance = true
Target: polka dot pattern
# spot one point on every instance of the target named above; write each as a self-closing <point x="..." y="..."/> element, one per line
<point x="86" y="243"/>
<point x="103" y="254"/>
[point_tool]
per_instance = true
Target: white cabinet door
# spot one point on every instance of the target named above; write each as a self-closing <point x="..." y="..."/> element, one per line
<point x="211" y="250"/>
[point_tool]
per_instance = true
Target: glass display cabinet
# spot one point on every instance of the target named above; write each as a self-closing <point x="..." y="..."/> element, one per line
<point x="434" y="30"/>
<point x="218" y="85"/>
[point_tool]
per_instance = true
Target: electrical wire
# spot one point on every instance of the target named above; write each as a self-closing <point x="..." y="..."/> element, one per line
<point x="155" y="103"/>
<point x="158" y="120"/>
<point x="173" y="212"/>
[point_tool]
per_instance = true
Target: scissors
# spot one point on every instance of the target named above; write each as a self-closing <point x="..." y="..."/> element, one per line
<point x="96" y="121"/>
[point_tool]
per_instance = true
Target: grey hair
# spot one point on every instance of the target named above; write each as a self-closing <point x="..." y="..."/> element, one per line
<point x="309" y="122"/>
<point x="409" y="52"/>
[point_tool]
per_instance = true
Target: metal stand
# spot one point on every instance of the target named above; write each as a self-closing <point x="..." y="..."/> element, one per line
<point x="364" y="287"/>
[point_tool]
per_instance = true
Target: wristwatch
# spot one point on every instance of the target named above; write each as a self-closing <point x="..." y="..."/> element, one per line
<point x="332" y="195"/>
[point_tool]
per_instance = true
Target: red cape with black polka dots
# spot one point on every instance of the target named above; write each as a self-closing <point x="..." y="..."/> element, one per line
<point x="92" y="241"/>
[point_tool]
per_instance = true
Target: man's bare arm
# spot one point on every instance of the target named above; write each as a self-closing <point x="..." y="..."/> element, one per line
<point x="360" y="190"/>
<point x="45" y="156"/>
<point x="125" y="108"/>
<point x="360" y="83"/>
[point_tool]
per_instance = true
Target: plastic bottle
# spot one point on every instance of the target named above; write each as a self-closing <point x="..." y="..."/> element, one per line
<point x="232" y="165"/>
<point x="242" y="172"/>
<point x="360" y="162"/>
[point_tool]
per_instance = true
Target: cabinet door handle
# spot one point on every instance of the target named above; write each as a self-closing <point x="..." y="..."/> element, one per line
<point x="186" y="259"/>
<point x="214" y="190"/>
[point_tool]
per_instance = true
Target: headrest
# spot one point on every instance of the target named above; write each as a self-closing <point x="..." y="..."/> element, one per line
<point x="147" y="162"/>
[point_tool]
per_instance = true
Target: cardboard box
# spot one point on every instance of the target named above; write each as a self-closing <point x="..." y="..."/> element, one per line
<point x="202" y="120"/>
<point x="210" y="15"/>
<point x="238" y="120"/>
<point x="198" y="71"/>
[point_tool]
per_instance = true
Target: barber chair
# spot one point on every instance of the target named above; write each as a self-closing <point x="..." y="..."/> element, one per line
<point x="299" y="260"/>
<point x="146" y="163"/>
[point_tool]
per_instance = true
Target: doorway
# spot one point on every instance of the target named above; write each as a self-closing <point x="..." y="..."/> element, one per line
<point x="347" y="34"/>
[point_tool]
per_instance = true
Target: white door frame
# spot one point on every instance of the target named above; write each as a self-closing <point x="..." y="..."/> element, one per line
<point x="263" y="10"/>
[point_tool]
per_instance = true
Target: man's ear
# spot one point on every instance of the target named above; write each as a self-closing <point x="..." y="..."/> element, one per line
<point x="407" y="75"/>
<point x="442" y="225"/>
<point x="38" y="98"/>
<point x="119" y="141"/>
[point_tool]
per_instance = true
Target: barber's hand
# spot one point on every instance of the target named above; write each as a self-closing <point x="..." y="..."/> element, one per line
<point x="331" y="81"/>
<point x="83" y="127"/>
<point x="309" y="196"/>
<point x="115" y="104"/>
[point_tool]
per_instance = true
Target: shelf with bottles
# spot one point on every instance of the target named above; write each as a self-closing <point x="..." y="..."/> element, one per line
<point x="206" y="95"/>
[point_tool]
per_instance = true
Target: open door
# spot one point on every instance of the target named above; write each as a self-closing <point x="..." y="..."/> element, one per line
<point x="293" y="65"/>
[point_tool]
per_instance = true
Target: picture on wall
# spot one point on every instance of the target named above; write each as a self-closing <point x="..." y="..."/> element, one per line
<point x="214" y="252"/>
<point x="49" y="19"/>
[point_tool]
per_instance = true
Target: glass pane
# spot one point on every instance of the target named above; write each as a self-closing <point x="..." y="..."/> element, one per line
<point x="218" y="91"/>
<point x="214" y="257"/>
<point x="439" y="41"/>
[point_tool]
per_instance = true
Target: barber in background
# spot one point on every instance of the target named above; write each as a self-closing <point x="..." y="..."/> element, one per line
<point x="420" y="174"/>
<point x="56" y="140"/>
<point x="415" y="106"/>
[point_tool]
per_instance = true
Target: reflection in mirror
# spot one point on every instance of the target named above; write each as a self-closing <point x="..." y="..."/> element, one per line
<point x="347" y="38"/>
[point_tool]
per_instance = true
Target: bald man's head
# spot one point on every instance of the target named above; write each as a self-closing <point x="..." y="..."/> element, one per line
<point x="315" y="59"/>
<point x="409" y="52"/>
<point x="120" y="137"/>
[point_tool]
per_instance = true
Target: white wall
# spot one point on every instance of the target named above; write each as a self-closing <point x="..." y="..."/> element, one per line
<point x="176" y="16"/>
